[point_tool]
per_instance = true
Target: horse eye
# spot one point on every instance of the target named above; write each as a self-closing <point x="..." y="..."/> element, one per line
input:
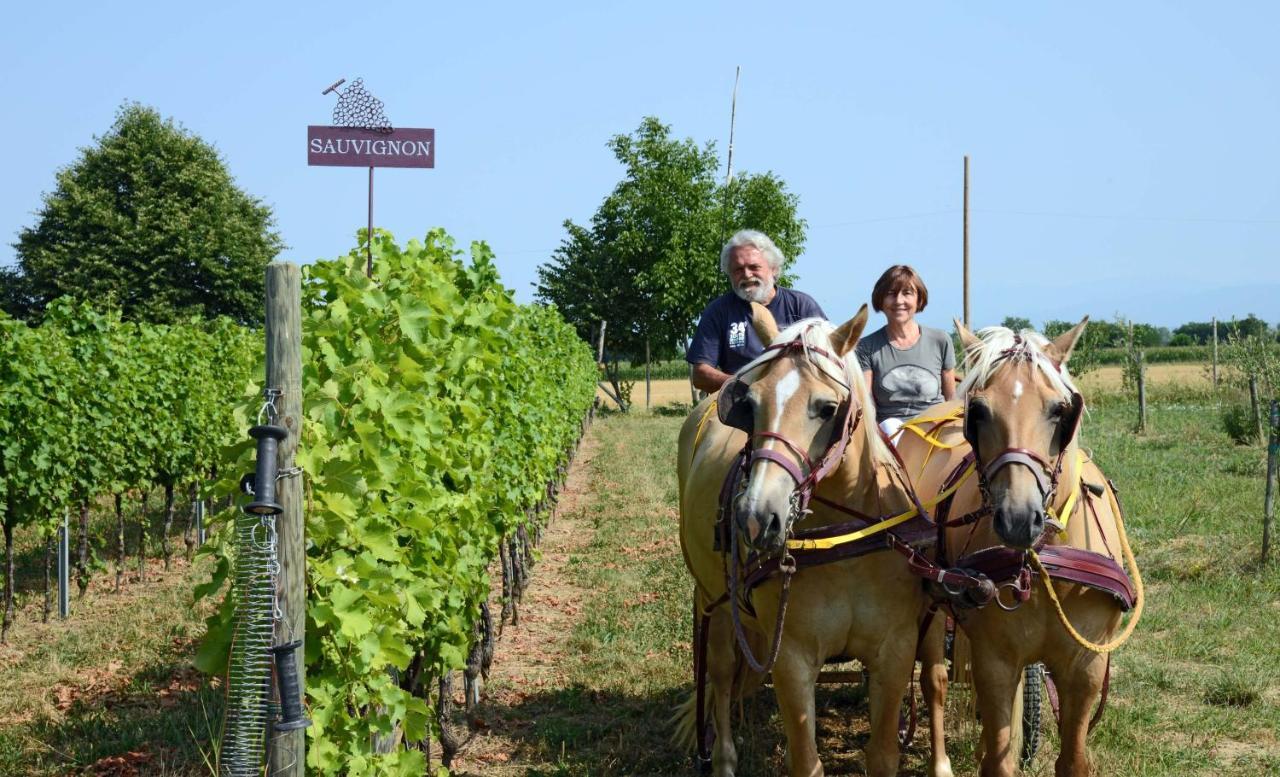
<point x="827" y="411"/>
<point x="1057" y="410"/>
<point x="978" y="412"/>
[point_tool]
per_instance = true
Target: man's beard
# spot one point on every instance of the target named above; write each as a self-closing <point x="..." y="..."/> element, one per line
<point x="760" y="292"/>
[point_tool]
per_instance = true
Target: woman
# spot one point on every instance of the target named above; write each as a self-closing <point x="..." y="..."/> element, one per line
<point x="907" y="366"/>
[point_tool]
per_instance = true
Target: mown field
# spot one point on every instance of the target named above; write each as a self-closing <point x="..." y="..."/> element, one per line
<point x="585" y="684"/>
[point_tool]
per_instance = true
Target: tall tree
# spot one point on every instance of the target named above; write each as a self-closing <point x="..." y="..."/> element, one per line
<point x="149" y="219"/>
<point x="649" y="261"/>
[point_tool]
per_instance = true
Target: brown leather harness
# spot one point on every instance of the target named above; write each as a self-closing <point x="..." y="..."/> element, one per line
<point x="974" y="580"/>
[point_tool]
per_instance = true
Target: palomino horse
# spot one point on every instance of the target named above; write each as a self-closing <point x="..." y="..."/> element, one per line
<point x="1037" y="510"/>
<point x="809" y="422"/>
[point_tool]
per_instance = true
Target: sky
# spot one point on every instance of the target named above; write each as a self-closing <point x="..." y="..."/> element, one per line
<point x="1124" y="156"/>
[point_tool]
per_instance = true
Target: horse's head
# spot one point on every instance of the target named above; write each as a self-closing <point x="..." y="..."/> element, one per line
<point x="1022" y="408"/>
<point x="798" y="401"/>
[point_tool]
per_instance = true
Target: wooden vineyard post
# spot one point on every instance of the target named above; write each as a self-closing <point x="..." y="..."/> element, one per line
<point x="1215" y="354"/>
<point x="1141" y="374"/>
<point x="646" y="375"/>
<point x="284" y="372"/>
<point x="1273" y="464"/>
<point x="1256" y="404"/>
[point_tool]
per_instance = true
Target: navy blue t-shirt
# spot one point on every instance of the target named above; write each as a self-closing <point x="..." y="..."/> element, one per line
<point x="725" y="338"/>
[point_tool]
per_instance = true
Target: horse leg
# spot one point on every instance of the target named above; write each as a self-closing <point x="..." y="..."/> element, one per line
<point x="995" y="680"/>
<point x="933" y="683"/>
<point x="793" y="684"/>
<point x="722" y="667"/>
<point x="890" y="674"/>
<point x="1079" y="681"/>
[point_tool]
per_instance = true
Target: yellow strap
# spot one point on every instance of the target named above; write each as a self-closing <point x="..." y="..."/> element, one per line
<point x="1073" y="495"/>
<point x="702" y="423"/>
<point x="1140" y="593"/>
<point x="915" y="426"/>
<point x="844" y="539"/>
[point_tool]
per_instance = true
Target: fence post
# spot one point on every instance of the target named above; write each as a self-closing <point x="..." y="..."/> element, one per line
<point x="1256" y="405"/>
<point x="1215" y="353"/>
<point x="1273" y="464"/>
<point x="1140" y="362"/>
<point x="64" y="568"/>
<point x="646" y="375"/>
<point x="284" y="372"/>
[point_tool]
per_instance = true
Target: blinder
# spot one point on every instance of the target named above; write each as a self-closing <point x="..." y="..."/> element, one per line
<point x="733" y="407"/>
<point x="1070" y="423"/>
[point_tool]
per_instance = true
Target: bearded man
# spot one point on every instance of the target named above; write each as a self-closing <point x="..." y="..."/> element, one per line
<point x="725" y="340"/>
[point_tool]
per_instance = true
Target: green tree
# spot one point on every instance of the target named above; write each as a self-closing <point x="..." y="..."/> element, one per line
<point x="150" y="218"/>
<point x="1016" y="323"/>
<point x="649" y="261"/>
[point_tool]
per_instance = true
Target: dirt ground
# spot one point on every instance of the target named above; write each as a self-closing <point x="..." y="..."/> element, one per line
<point x="527" y="657"/>
<point x="667" y="392"/>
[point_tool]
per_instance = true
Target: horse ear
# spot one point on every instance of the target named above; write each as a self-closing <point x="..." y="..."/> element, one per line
<point x="968" y="339"/>
<point x="1060" y="349"/>
<point x="846" y="336"/>
<point x="762" y="321"/>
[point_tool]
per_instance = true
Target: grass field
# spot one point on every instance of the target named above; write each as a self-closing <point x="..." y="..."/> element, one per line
<point x="1195" y="692"/>
<point x="585" y="683"/>
<point x="1103" y="379"/>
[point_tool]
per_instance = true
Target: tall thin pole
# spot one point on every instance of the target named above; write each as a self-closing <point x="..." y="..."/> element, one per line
<point x="284" y="372"/>
<point x="733" y="117"/>
<point x="64" y="568"/>
<point x="368" y="270"/>
<point x="1273" y="470"/>
<point x="1215" y="353"/>
<point x="966" y="241"/>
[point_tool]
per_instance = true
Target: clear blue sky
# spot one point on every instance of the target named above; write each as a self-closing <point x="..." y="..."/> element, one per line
<point x="1124" y="155"/>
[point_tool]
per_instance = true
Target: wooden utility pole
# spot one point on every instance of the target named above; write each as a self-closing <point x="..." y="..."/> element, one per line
<point x="733" y="116"/>
<point x="967" y="324"/>
<point x="284" y="372"/>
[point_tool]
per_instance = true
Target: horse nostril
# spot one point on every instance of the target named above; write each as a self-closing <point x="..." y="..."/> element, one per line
<point x="775" y="525"/>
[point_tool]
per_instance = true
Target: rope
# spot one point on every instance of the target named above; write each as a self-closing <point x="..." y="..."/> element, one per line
<point x="1137" y="584"/>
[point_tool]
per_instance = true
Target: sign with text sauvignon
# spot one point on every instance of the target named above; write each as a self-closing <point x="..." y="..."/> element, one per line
<point x="353" y="147"/>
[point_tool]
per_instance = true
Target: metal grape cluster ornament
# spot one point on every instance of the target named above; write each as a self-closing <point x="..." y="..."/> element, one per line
<point x="362" y="136"/>
<point x="357" y="108"/>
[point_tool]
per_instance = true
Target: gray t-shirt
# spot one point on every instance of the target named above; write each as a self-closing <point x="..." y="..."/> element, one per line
<point x="905" y="381"/>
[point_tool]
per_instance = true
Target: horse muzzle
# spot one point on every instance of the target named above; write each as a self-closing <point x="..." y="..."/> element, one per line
<point x="1019" y="524"/>
<point x="762" y="523"/>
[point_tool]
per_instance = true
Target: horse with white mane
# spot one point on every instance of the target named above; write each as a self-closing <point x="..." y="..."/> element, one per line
<point x="1032" y="514"/>
<point x="793" y="426"/>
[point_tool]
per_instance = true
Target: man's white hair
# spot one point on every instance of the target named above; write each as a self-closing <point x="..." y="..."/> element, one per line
<point x="758" y="240"/>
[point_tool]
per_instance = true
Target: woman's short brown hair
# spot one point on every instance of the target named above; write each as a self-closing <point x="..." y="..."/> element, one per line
<point x="897" y="277"/>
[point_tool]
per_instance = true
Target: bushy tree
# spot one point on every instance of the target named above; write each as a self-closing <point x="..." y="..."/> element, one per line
<point x="649" y="261"/>
<point x="1016" y="323"/>
<point x="150" y="219"/>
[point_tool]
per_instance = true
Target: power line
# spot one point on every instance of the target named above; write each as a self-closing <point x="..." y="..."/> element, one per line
<point x="1098" y="216"/>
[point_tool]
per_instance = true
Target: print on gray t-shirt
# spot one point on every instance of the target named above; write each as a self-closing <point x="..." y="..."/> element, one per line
<point x="905" y="381"/>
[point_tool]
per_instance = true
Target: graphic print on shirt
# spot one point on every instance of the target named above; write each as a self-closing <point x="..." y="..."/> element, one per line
<point x="738" y="334"/>
<point x="910" y="383"/>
